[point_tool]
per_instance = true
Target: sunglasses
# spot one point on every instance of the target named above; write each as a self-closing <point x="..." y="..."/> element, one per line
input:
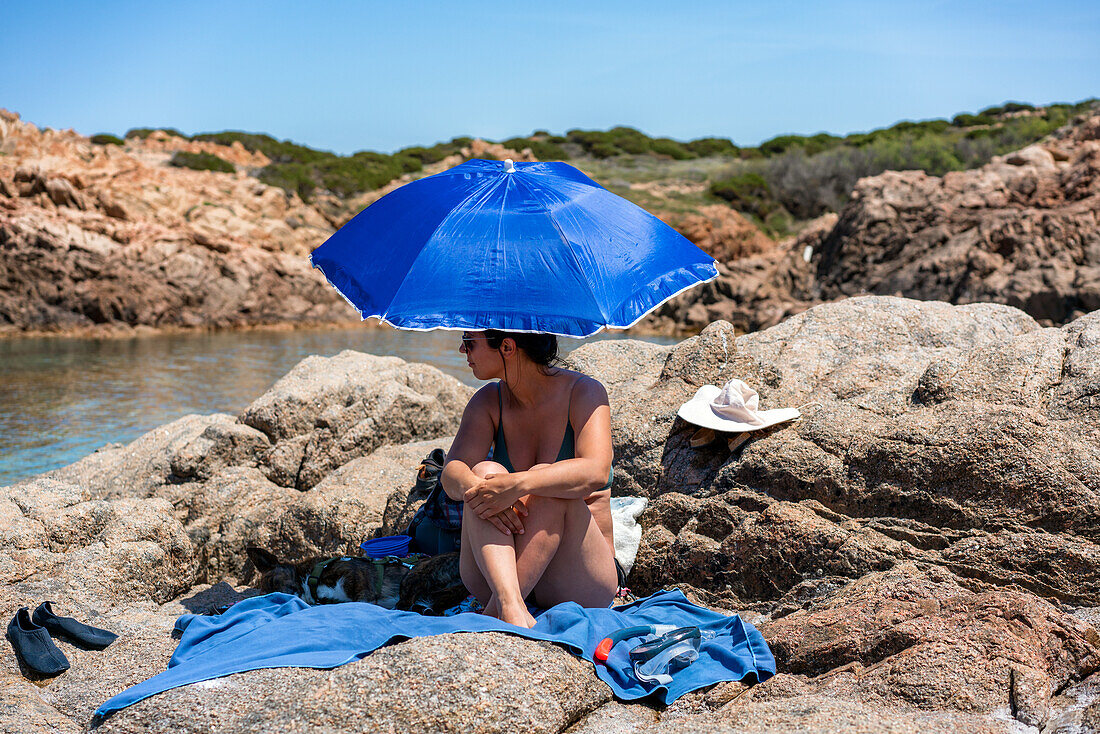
<point x="468" y="341"/>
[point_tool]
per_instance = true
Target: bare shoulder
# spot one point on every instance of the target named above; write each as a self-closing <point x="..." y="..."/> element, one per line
<point x="479" y="416"/>
<point x="588" y="392"/>
<point x="475" y="432"/>
<point x="484" y="402"/>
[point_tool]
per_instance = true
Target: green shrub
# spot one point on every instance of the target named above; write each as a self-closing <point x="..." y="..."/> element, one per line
<point x="542" y="148"/>
<point x="201" y="162"/>
<point x="516" y="144"/>
<point x="144" y="132"/>
<point x="807" y="185"/>
<point x="779" y="223"/>
<point x="580" y="137"/>
<point x="931" y="154"/>
<point x="626" y="139"/>
<point x="426" y="155"/>
<point x="777" y="146"/>
<point x="363" y="171"/>
<point x="672" y="148"/>
<point x="974" y="149"/>
<point x="704" y="147"/>
<point x="747" y="192"/>
<point x="437" y="152"/>
<point x="819" y="142"/>
<point x="595" y="143"/>
<point x="979" y="132"/>
<point x="1006" y="108"/>
<point x="904" y="126"/>
<point x="107" y="139"/>
<point x="968" y="120"/>
<point x="279" y="151"/>
<point x="296" y="177"/>
<point x="602" y="150"/>
<point x="408" y="163"/>
<point x="810" y="144"/>
<point x="545" y="150"/>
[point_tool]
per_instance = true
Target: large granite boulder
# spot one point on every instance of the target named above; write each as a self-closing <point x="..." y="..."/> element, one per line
<point x="489" y="682"/>
<point x="139" y="467"/>
<point x="1021" y="230"/>
<point x="755" y="288"/>
<point x="103" y="237"/>
<point x="328" y="411"/>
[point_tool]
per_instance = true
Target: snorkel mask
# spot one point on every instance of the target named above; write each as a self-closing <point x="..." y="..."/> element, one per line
<point x="656" y="660"/>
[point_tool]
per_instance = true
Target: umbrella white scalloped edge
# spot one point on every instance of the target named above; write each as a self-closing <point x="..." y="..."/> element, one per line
<point x="607" y="327"/>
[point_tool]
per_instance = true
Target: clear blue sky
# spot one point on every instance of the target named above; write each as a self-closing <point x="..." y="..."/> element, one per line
<point x="348" y="76"/>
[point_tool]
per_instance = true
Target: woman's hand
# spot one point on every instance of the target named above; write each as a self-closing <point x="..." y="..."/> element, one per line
<point x="510" y="521"/>
<point x="493" y="495"/>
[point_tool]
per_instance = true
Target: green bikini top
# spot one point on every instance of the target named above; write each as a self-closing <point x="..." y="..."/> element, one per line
<point x="568" y="448"/>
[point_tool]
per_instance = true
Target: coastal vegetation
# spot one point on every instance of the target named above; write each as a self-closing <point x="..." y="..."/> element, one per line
<point x="201" y="162"/>
<point x="778" y="184"/>
<point x="144" y="132"/>
<point x="107" y="139"/>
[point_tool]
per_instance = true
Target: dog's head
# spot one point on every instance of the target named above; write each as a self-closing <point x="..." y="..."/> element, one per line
<point x="274" y="575"/>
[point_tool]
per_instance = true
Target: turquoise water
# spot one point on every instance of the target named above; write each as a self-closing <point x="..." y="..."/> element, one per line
<point x="62" y="398"/>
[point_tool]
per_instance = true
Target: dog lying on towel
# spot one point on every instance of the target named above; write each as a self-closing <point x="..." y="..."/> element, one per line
<point x="429" y="587"/>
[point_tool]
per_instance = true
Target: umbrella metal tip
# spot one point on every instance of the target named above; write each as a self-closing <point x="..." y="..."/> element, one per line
<point x="509" y="167"/>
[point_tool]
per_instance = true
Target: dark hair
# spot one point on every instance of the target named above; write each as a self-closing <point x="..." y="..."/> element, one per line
<point x="541" y="348"/>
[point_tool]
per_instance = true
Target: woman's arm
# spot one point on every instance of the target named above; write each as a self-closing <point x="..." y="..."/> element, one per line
<point x="471" y="444"/>
<point x="575" y="478"/>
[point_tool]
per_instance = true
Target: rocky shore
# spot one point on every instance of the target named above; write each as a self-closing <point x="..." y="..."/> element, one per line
<point x="1023" y="230"/>
<point x="921" y="550"/>
<point x="105" y="239"/>
<point x="95" y="237"/>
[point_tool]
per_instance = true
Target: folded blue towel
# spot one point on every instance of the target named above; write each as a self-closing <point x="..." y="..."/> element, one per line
<point x="279" y="630"/>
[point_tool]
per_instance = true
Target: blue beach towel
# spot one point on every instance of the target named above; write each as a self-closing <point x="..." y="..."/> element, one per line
<point x="279" y="630"/>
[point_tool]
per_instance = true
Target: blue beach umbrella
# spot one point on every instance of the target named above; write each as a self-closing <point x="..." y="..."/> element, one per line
<point x="536" y="247"/>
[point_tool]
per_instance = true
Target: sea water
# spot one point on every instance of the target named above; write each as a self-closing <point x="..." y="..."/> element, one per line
<point x="62" y="398"/>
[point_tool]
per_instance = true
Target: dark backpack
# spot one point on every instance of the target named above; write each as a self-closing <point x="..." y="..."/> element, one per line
<point x="437" y="526"/>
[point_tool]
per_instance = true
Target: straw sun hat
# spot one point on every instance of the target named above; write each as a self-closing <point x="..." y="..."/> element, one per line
<point x="734" y="408"/>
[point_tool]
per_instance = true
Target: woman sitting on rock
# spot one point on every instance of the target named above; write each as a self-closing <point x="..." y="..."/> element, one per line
<point x="536" y="523"/>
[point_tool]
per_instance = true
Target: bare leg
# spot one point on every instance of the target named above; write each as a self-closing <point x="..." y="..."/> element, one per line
<point x="582" y="567"/>
<point x="488" y="563"/>
<point x="563" y="555"/>
<point x="599" y="503"/>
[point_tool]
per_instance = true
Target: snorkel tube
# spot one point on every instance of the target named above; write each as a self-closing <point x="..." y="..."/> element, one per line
<point x="604" y="648"/>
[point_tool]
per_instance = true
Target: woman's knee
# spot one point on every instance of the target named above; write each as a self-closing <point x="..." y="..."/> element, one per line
<point x="538" y="503"/>
<point x="537" y="500"/>
<point x="484" y="468"/>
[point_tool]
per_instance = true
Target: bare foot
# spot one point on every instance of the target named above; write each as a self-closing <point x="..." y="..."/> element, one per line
<point x="517" y="614"/>
<point x="492" y="607"/>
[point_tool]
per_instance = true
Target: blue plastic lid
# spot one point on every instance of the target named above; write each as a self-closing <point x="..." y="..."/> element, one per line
<point x="391" y="545"/>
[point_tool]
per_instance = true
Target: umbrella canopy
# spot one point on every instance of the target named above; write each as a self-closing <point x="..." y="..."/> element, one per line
<point x="536" y="247"/>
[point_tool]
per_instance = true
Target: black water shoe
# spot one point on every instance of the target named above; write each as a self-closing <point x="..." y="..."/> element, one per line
<point x="427" y="476"/>
<point x="33" y="644"/>
<point x="69" y="627"/>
